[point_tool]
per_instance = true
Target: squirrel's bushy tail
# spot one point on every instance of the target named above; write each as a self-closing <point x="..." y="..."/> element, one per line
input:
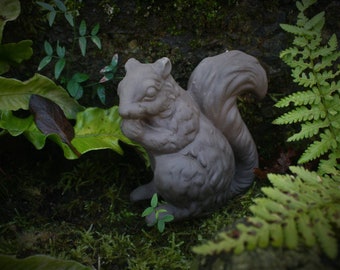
<point x="215" y="84"/>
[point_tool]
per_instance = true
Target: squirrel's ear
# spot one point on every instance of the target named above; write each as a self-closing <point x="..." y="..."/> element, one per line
<point x="131" y="63"/>
<point x="163" y="66"/>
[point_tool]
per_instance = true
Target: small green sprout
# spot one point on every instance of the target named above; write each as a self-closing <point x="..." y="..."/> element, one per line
<point x="160" y="220"/>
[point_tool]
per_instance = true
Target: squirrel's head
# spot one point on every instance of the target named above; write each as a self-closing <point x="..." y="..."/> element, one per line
<point x="146" y="89"/>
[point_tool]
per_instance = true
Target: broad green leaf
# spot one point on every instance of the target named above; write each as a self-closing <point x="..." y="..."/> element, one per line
<point x="39" y="262"/>
<point x="14" y="125"/>
<point x="96" y="41"/>
<point x="45" y="61"/>
<point x="82" y="45"/>
<point x="98" y="129"/>
<point x="9" y="11"/>
<point x="82" y="28"/>
<point x="15" y="94"/>
<point x="59" y="67"/>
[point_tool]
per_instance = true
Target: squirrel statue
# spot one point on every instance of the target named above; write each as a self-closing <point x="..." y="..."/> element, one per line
<point x="201" y="152"/>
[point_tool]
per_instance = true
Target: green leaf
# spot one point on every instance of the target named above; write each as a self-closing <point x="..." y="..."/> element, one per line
<point x="96" y="41"/>
<point x="318" y="148"/>
<point x="9" y="11"/>
<point x="45" y="6"/>
<point x="51" y="17"/>
<point x="48" y="48"/>
<point x="101" y="94"/>
<point x="15" y="94"/>
<point x="14" y="125"/>
<point x="69" y="18"/>
<point x="14" y="53"/>
<point x="60" y="5"/>
<point x="95" y="30"/>
<point x="40" y="262"/>
<point x="82" y="28"/>
<point x="161" y="226"/>
<point x="59" y="67"/>
<point x="148" y="211"/>
<point x="82" y="45"/>
<point x="92" y="134"/>
<point x="290" y="233"/>
<point x="167" y="218"/>
<point x="80" y="77"/>
<point x="74" y="88"/>
<point x="308" y="130"/>
<point x="60" y="51"/>
<point x="317" y="21"/>
<point x="44" y="62"/>
<point x="154" y="200"/>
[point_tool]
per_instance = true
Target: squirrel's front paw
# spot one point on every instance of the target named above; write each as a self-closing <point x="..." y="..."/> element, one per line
<point x="132" y="128"/>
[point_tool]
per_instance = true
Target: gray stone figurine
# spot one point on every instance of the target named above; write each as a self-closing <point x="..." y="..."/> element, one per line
<point x="202" y="154"/>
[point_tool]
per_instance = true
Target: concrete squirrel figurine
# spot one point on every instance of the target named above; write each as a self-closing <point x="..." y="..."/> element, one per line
<point x="201" y="152"/>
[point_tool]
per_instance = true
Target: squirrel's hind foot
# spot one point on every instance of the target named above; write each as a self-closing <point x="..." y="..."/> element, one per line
<point x="143" y="192"/>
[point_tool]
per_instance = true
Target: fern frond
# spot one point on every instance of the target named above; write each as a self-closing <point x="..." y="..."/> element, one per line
<point x="318" y="148"/>
<point x="311" y="225"/>
<point x="308" y="130"/>
<point x="299" y="98"/>
<point x="301" y="114"/>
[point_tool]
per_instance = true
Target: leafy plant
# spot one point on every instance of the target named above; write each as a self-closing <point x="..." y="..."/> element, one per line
<point x="81" y="34"/>
<point x="161" y="216"/>
<point x="317" y="107"/>
<point x="89" y="133"/>
<point x="301" y="209"/>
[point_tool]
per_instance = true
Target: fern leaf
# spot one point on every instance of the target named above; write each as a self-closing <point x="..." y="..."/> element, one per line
<point x="300" y="114"/>
<point x="290" y="233"/>
<point x="299" y="98"/>
<point x="318" y="148"/>
<point x="292" y="29"/>
<point x="305" y="175"/>
<point x="317" y="22"/>
<point x="262" y="212"/>
<point x="276" y="235"/>
<point x="324" y="234"/>
<point x="308" y="130"/>
<point x="330" y="165"/>
<point x="305" y="228"/>
<point x="305" y="80"/>
<point x="262" y="232"/>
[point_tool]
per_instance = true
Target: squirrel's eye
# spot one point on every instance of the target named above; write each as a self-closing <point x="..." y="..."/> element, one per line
<point x="150" y="93"/>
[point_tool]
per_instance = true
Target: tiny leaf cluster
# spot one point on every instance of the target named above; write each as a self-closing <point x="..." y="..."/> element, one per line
<point x="300" y="209"/>
<point x="161" y="216"/>
<point x="316" y="106"/>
